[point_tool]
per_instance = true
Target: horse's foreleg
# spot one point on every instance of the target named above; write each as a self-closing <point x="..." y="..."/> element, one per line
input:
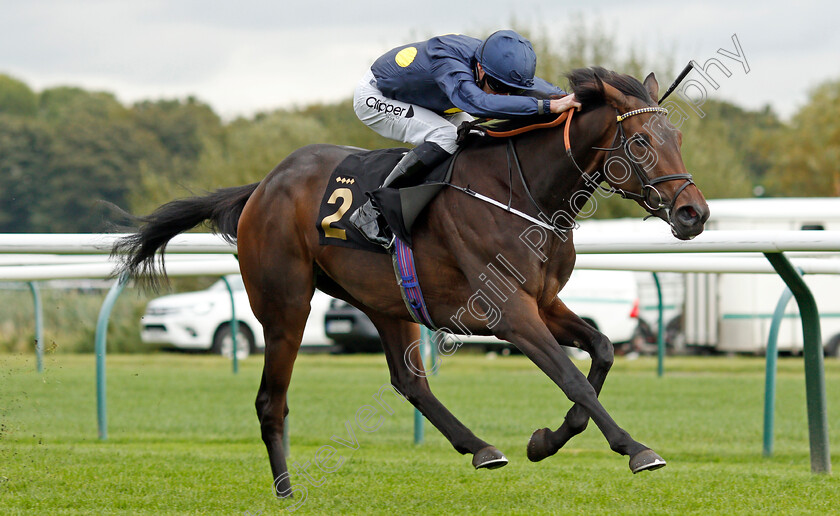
<point x="400" y="339"/>
<point x="534" y="339"/>
<point x="570" y="330"/>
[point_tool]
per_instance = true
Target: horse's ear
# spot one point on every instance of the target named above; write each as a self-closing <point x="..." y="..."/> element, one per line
<point x="611" y="94"/>
<point x="652" y="86"/>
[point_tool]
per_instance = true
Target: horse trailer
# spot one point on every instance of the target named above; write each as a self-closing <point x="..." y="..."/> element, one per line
<point x="732" y="313"/>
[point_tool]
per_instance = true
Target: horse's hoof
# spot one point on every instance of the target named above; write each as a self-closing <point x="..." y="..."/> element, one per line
<point x="539" y="447"/>
<point x="489" y="458"/>
<point x="646" y="460"/>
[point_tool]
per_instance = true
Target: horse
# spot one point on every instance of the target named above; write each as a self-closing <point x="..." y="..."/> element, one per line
<point x="461" y="237"/>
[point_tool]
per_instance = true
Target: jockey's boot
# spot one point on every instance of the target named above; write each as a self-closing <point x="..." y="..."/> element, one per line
<point x="419" y="159"/>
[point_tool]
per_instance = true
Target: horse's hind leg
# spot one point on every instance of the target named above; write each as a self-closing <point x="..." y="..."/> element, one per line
<point x="399" y="339"/>
<point x="281" y="303"/>
<point x="570" y="330"/>
<point x="282" y="341"/>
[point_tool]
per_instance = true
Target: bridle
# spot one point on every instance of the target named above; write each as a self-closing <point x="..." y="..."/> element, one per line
<point x="544" y="221"/>
<point x="648" y="184"/>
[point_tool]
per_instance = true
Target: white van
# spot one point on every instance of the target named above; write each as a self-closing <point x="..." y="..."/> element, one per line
<point x="201" y="320"/>
<point x="608" y="300"/>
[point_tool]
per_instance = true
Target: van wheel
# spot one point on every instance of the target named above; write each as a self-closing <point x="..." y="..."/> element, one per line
<point x="832" y="348"/>
<point x="223" y="341"/>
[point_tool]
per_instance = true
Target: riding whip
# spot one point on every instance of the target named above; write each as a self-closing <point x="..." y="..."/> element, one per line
<point x="678" y="80"/>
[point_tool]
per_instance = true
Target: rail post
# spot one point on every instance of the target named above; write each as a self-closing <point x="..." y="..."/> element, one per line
<point x="425" y="353"/>
<point x="813" y="356"/>
<point x="287" y="448"/>
<point x="771" y="357"/>
<point x="100" y="348"/>
<point x="660" y="333"/>
<point x="234" y="325"/>
<point x="39" y="327"/>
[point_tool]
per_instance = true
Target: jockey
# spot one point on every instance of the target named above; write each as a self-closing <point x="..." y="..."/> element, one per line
<point x="420" y="93"/>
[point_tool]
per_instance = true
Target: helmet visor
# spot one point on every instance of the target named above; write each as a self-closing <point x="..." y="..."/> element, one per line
<point x="501" y="88"/>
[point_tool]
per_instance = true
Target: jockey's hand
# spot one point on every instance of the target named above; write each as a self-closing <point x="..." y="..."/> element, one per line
<point x="564" y="103"/>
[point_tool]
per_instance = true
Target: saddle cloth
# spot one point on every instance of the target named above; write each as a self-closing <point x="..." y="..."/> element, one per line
<point x="363" y="172"/>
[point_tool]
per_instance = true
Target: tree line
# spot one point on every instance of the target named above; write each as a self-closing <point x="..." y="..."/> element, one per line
<point x="63" y="150"/>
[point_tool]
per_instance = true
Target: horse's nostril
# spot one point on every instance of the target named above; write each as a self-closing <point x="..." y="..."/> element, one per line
<point x="687" y="215"/>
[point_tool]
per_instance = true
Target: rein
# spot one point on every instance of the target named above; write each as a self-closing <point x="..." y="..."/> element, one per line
<point x="648" y="184"/>
<point x="544" y="221"/>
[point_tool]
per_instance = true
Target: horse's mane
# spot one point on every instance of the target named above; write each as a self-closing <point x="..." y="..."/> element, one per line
<point x="585" y="87"/>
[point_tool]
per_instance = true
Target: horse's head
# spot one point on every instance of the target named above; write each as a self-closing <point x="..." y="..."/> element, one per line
<point x="643" y="162"/>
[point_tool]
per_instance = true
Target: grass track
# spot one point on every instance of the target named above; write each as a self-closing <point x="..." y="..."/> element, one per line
<point x="184" y="439"/>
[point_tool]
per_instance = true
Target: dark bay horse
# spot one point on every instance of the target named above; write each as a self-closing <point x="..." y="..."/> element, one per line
<point x="456" y="244"/>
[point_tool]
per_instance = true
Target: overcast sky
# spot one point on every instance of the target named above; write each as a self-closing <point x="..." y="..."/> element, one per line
<point x="254" y="55"/>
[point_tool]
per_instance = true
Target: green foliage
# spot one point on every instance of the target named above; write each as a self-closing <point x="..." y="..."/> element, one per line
<point x="254" y="147"/>
<point x="85" y="147"/>
<point x="16" y="98"/>
<point x="715" y="149"/>
<point x="64" y="103"/>
<point x="806" y="153"/>
<point x="188" y="137"/>
<point x="181" y="127"/>
<point x="25" y="150"/>
<point x="94" y="157"/>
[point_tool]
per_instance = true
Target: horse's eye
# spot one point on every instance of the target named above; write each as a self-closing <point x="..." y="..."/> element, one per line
<point x="642" y="140"/>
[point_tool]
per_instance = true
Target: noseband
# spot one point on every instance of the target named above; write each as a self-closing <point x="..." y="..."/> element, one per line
<point x="648" y="184"/>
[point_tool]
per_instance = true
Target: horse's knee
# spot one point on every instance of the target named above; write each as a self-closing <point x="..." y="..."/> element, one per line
<point x="602" y="351"/>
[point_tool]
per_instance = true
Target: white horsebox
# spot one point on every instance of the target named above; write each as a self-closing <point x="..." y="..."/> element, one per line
<point x="730" y="312"/>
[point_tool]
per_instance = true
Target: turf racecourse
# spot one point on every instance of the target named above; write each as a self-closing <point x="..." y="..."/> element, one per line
<point x="184" y="439"/>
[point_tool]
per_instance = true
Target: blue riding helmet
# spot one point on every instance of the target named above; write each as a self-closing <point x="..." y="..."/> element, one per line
<point x="509" y="58"/>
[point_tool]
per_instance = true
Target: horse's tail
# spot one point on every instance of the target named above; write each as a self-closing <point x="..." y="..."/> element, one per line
<point x="220" y="210"/>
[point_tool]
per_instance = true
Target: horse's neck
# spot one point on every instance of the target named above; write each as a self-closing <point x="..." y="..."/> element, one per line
<point x="553" y="179"/>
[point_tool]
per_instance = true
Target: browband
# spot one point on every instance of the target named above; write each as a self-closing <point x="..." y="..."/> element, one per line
<point x="640" y="111"/>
